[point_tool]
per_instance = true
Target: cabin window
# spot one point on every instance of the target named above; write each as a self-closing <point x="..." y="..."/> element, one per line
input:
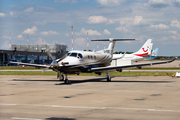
<point x="95" y="57"/>
<point x="73" y="54"/>
<point x="80" y="55"/>
<point x="88" y="57"/>
<point x="91" y="57"/>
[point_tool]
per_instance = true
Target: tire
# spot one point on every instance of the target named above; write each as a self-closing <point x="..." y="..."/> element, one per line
<point x="66" y="81"/>
<point x="61" y="78"/>
<point x="108" y="79"/>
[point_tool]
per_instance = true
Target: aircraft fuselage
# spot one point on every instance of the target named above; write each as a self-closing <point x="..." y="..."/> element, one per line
<point x="83" y="61"/>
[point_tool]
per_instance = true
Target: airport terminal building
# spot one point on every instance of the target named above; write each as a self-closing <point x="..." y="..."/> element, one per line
<point x="32" y="53"/>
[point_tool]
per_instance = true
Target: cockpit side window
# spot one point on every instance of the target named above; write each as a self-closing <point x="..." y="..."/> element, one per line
<point x="80" y="55"/>
<point x="54" y="62"/>
<point x="73" y="54"/>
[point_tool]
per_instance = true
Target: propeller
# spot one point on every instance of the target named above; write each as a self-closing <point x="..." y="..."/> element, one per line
<point x="50" y="55"/>
<point x="62" y="57"/>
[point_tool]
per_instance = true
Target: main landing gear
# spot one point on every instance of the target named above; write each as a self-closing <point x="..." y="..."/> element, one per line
<point x="61" y="77"/>
<point x="108" y="76"/>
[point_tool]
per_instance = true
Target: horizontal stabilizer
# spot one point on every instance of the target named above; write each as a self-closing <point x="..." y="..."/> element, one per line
<point x="112" y="39"/>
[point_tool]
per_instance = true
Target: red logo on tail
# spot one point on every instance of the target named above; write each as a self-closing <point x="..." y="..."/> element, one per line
<point x="145" y="50"/>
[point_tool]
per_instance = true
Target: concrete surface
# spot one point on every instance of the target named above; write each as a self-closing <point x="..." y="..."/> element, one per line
<point x="89" y="98"/>
<point x="174" y="64"/>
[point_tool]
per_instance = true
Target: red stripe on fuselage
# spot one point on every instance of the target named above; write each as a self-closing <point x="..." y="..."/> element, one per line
<point x="141" y="54"/>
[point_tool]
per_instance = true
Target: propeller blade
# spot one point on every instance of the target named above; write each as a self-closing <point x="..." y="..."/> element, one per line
<point x="50" y="55"/>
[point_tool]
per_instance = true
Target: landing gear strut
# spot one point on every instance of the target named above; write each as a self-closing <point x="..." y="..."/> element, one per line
<point x="66" y="81"/>
<point x="108" y="76"/>
<point x="60" y="76"/>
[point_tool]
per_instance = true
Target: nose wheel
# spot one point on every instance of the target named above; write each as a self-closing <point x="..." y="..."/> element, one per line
<point x="66" y="81"/>
<point x="60" y="76"/>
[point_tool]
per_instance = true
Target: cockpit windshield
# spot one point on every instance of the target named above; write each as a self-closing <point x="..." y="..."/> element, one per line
<point x="73" y="54"/>
<point x="78" y="55"/>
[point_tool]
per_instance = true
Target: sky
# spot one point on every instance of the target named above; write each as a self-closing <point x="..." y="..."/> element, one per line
<point x="50" y="21"/>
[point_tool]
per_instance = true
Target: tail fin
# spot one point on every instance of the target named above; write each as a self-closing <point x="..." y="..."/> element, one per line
<point x="153" y="55"/>
<point x="112" y="41"/>
<point x="145" y="49"/>
<point x="155" y="52"/>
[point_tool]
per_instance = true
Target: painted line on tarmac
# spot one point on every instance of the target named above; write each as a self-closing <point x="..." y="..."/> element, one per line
<point x="81" y="107"/>
<point x="17" y="118"/>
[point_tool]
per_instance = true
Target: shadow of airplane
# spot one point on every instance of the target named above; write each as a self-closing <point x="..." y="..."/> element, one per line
<point x="55" y="118"/>
<point x="102" y="79"/>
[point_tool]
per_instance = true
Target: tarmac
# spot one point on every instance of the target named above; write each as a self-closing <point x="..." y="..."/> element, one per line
<point x="174" y="64"/>
<point x="89" y="98"/>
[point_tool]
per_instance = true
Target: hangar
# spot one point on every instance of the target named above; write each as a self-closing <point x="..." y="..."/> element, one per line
<point x="32" y="53"/>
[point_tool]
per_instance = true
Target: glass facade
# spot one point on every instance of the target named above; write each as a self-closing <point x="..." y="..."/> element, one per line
<point x="36" y="54"/>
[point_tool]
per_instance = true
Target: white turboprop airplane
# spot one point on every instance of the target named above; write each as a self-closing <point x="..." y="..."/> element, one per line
<point x="87" y="62"/>
<point x="143" y="53"/>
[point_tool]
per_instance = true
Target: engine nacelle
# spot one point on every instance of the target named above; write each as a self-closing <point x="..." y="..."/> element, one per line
<point x="99" y="73"/>
<point x="139" y="67"/>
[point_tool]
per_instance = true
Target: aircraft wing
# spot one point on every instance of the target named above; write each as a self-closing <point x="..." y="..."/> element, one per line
<point x="99" y="69"/>
<point x="28" y="64"/>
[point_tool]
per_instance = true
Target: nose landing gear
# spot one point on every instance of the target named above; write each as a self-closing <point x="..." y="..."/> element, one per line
<point x="60" y="76"/>
<point x="66" y="81"/>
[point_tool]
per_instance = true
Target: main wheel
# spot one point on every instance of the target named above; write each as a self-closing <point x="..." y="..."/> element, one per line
<point x="61" y="78"/>
<point x="66" y="81"/>
<point x="108" y="78"/>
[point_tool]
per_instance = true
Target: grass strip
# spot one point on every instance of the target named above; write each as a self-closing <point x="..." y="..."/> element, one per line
<point x="89" y="74"/>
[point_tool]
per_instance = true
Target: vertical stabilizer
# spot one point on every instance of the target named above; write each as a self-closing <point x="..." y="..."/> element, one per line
<point x="155" y="52"/>
<point x="145" y="49"/>
<point x="111" y="46"/>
